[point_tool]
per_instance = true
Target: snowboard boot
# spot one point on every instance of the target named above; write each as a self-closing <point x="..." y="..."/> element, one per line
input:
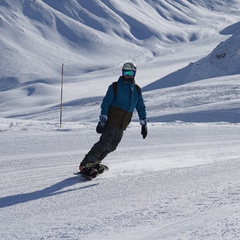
<point x="89" y="171"/>
<point x="100" y="169"/>
<point x="92" y="169"/>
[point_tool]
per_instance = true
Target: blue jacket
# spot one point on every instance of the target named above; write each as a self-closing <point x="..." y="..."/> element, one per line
<point x="127" y="99"/>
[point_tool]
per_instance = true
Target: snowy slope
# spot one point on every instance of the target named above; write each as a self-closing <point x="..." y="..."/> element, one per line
<point x="222" y="61"/>
<point x="182" y="181"/>
<point x="38" y="36"/>
<point x="89" y="38"/>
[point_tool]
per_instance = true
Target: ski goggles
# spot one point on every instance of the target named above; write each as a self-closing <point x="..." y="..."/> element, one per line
<point x="129" y="73"/>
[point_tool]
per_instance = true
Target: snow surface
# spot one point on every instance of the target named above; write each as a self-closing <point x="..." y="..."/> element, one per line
<point x="182" y="182"/>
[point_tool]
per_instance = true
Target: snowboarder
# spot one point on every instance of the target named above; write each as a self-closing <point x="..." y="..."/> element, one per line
<point x="117" y="108"/>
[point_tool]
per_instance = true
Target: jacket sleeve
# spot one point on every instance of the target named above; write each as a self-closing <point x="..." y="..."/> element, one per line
<point x="141" y="108"/>
<point x="107" y="100"/>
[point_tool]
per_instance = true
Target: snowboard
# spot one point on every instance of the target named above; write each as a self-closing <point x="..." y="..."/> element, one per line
<point x="106" y="168"/>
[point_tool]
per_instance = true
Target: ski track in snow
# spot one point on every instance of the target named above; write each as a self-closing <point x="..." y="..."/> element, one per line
<point x="147" y="194"/>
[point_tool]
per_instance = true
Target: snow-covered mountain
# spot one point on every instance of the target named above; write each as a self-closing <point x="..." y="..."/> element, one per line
<point x="90" y="36"/>
<point x="222" y="61"/>
<point x="38" y="36"/>
<point x="182" y="181"/>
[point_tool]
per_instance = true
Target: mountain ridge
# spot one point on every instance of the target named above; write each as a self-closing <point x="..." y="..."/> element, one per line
<point x="37" y="36"/>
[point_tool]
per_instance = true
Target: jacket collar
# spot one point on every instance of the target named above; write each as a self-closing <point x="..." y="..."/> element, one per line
<point x="126" y="82"/>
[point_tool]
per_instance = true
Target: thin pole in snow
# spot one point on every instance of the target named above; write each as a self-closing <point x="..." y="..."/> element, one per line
<point x="61" y="98"/>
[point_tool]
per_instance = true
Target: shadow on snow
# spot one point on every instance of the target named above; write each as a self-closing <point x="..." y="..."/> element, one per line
<point x="47" y="192"/>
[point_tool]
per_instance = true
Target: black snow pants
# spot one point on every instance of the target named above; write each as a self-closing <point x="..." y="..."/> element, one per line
<point x="107" y="143"/>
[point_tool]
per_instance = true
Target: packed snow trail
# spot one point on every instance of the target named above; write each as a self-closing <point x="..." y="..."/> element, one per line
<point x="182" y="183"/>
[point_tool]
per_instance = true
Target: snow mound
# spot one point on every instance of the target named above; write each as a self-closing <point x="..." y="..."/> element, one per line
<point x="224" y="60"/>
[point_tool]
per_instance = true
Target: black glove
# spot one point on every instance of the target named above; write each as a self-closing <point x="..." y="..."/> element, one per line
<point x="143" y="122"/>
<point x="144" y="131"/>
<point x="101" y="124"/>
<point x="99" y="128"/>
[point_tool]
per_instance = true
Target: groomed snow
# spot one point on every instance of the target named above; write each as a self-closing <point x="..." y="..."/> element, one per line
<point x="181" y="182"/>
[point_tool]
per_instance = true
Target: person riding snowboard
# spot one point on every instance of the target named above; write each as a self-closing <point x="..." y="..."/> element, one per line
<point x="117" y="108"/>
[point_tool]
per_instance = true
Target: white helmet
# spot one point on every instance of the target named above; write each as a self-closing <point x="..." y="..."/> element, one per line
<point x="128" y="66"/>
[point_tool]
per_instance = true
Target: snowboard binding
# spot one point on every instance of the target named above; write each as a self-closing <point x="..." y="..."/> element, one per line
<point x="93" y="171"/>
